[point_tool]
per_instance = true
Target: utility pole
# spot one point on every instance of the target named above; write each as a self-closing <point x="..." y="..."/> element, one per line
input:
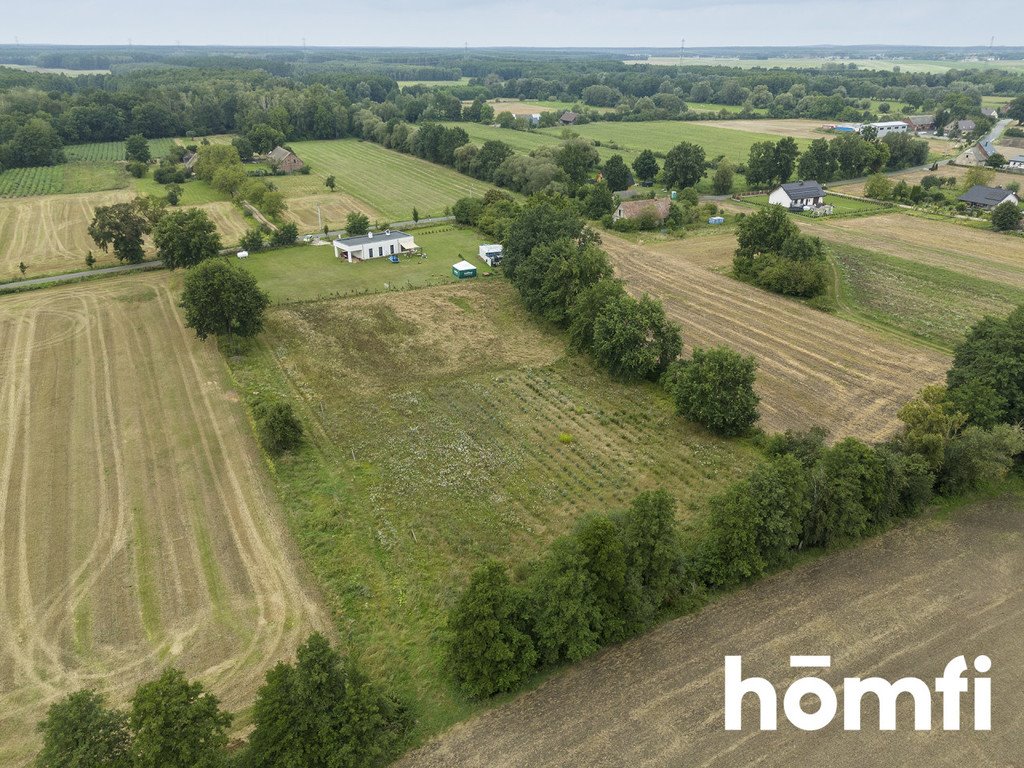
<point x="319" y="220"/>
<point x="682" y="47"/>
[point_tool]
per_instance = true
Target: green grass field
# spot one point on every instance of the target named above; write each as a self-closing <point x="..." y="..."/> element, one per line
<point x="435" y="420"/>
<point x="68" y="178"/>
<point x="389" y="181"/>
<point x="929" y="303"/>
<point x="309" y="272"/>
<point x="193" y="191"/>
<point x="662" y="135"/>
<point x="698" y="106"/>
<point x="433" y="83"/>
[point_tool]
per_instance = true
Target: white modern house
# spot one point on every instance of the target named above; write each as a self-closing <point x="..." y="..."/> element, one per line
<point x="889" y="126"/>
<point x="390" y="242"/>
<point x="798" y="195"/>
<point x="491" y="254"/>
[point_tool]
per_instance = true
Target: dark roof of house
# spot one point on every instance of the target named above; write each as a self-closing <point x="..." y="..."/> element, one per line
<point x="568" y="116"/>
<point x="279" y="153"/>
<point x="965" y="125"/>
<point x="922" y="119"/>
<point x="982" y="195"/>
<point x="379" y="237"/>
<point x="798" y="190"/>
<point x="632" y="208"/>
<point x="1017" y="159"/>
<point x="986" y="148"/>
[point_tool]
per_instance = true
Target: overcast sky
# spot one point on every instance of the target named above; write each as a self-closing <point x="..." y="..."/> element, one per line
<point x="558" y="23"/>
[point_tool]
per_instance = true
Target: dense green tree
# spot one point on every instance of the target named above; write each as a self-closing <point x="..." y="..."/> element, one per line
<point x="716" y="388"/>
<point x="599" y="201"/>
<point x="552" y="275"/>
<point x="653" y="554"/>
<point x="80" y="731"/>
<point x="986" y="380"/>
<point x="645" y="166"/>
<point x="489" y="649"/>
<point x="634" y="340"/>
<point x="252" y="241"/>
<point x="136" y="149"/>
<point x="543" y="219"/>
<point x="722" y="182"/>
<point x="184" y="238"/>
<point x="616" y="173"/>
<point x="278" y="427"/>
<point x="120" y="226"/>
<point x="930" y="422"/>
<point x="34" y="142"/>
<point x="577" y="158"/>
<point x="762" y="232"/>
<point x="818" y="162"/>
<point x="223" y="300"/>
<point x="685" y="165"/>
<point x="847" y="488"/>
<point x="761" y="164"/>
<point x="784" y="159"/>
<point x="1015" y="110"/>
<point x="978" y="456"/>
<point x="243" y="147"/>
<point x="1006" y="216"/>
<point x="799" y="268"/>
<point x="587" y="306"/>
<point x="330" y="182"/>
<point x="357" y="223"/>
<point x="286" y="234"/>
<point x="323" y="712"/>
<point x="177" y="724"/>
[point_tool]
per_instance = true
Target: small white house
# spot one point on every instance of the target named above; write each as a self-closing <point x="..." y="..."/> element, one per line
<point x="491" y="254"/>
<point x="390" y="242"/>
<point x="798" y="195"/>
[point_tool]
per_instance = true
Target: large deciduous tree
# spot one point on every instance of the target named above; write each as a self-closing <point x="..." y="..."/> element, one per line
<point x="646" y="166"/>
<point x="121" y="226"/>
<point x="80" y="731"/>
<point x="716" y="388"/>
<point x="634" y="340"/>
<point x="223" y="300"/>
<point x="185" y="238"/>
<point x="685" y="165"/>
<point x="616" y="173"/>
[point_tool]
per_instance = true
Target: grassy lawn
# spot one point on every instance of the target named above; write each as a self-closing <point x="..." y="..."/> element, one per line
<point x="311" y="271"/>
<point x="445" y="427"/>
<point x="193" y="191"/>
<point x="391" y="182"/>
<point x="929" y="303"/>
<point x="844" y="206"/>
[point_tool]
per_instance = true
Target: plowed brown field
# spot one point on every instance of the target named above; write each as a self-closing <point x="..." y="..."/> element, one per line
<point x="137" y="526"/>
<point x="814" y="369"/>
<point x="901" y="605"/>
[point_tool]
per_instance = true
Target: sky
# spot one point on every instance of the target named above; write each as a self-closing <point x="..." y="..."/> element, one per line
<point x="546" y="23"/>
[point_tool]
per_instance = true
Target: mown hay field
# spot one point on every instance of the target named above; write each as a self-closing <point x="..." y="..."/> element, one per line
<point x="955" y="247"/>
<point x="815" y="369"/>
<point x="447" y="427"/>
<point x="390" y="182"/>
<point x="901" y="605"/>
<point x="999" y="179"/>
<point x="137" y="524"/>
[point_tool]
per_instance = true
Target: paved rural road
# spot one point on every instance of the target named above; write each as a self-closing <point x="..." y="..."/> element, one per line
<point x="997" y="130"/>
<point x="17" y="284"/>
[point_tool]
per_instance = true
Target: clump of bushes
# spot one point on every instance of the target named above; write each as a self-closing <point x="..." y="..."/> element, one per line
<point x="278" y="427"/>
<point x="774" y="255"/>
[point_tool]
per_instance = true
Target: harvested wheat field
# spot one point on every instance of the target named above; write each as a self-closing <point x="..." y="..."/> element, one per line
<point x="137" y="526"/>
<point x="334" y="208"/>
<point x="813" y="368"/>
<point x="50" y="233"/>
<point x="958" y="248"/>
<point x="799" y="129"/>
<point x="900" y="605"/>
<point x="228" y="219"/>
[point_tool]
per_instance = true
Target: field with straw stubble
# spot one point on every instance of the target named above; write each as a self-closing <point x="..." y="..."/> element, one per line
<point x="903" y="604"/>
<point x="814" y="368"/>
<point x="137" y="527"/>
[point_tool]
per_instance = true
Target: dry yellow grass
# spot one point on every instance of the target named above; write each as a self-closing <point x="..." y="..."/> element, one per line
<point x="814" y="368"/>
<point x="50" y="233"/>
<point x="334" y="208"/>
<point x="800" y="129"/>
<point x="970" y="251"/>
<point x="137" y="525"/>
<point x="229" y="220"/>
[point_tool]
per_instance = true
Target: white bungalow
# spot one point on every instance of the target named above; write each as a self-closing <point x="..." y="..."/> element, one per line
<point x="491" y="254"/>
<point x="390" y="242"/>
<point x="798" y="195"/>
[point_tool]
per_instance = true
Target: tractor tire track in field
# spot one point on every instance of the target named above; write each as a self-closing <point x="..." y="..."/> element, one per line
<point x="902" y="604"/>
<point x="137" y="525"/>
<point x="813" y="368"/>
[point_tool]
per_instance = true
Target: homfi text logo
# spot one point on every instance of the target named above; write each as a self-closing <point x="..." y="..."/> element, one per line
<point x="950" y="687"/>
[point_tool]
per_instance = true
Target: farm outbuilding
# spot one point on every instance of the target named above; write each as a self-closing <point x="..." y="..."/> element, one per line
<point x="491" y="254"/>
<point x="390" y="242"/>
<point x="980" y="196"/>
<point x="716" y="220"/>
<point x="659" y="207"/>
<point x="284" y="160"/>
<point x="463" y="269"/>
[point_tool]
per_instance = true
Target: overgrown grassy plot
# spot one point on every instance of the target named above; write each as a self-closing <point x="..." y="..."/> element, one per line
<point x="447" y="427"/>
<point x="931" y="303"/>
<point x="391" y="182"/>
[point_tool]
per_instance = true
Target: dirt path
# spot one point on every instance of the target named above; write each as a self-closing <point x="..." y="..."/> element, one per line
<point x="903" y="604"/>
<point x="137" y="526"/>
<point x="814" y="369"/>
